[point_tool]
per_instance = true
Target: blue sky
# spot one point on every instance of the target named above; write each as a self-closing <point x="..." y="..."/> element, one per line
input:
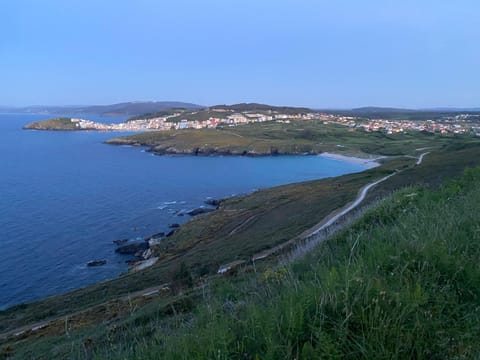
<point x="336" y="54"/>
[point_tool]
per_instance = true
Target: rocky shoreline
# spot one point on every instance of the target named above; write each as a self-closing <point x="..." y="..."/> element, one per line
<point x="143" y="252"/>
<point x="207" y="150"/>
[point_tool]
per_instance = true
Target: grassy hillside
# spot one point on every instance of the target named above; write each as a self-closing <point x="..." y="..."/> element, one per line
<point x="200" y="115"/>
<point x="219" y="111"/>
<point x="298" y="137"/>
<point x="404" y="282"/>
<point x="155" y="114"/>
<point x="255" y="107"/>
<point x="118" y="318"/>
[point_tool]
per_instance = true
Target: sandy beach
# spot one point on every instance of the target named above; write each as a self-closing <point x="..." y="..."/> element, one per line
<point x="371" y="163"/>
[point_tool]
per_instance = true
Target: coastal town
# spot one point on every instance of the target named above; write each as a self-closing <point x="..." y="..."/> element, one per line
<point x="458" y="124"/>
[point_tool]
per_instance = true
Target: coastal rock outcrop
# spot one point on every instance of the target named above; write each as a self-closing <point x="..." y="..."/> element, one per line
<point x="93" y="263"/>
<point x="131" y="249"/>
<point x="120" y="241"/>
<point x="213" y="202"/>
<point x="156" y="236"/>
<point x="198" y="211"/>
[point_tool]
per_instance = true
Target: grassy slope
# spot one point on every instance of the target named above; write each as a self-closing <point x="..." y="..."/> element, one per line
<point x="402" y="282"/>
<point x="296" y="137"/>
<point x="201" y="115"/>
<point x="204" y="243"/>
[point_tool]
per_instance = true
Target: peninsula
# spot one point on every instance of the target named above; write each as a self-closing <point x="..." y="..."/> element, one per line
<point x="60" y="124"/>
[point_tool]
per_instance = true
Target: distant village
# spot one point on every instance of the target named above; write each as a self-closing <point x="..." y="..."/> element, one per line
<point x="458" y="124"/>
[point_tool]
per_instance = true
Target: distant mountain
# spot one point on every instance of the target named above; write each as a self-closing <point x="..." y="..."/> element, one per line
<point x="373" y="112"/>
<point x="121" y="109"/>
<point x="262" y="108"/>
<point x="452" y="109"/>
<point x="374" y="109"/>
<point x="378" y="109"/>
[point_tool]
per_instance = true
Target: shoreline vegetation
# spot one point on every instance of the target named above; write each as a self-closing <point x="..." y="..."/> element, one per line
<point x="150" y="308"/>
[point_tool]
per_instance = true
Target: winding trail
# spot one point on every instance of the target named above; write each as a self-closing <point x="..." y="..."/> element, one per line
<point x="333" y="217"/>
<point x="420" y="158"/>
<point x="325" y="223"/>
<point x="349" y="207"/>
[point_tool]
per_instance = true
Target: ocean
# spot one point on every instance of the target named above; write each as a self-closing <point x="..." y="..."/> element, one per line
<point x="65" y="196"/>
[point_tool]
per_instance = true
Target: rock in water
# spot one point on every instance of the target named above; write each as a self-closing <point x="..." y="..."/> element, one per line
<point x="120" y="241"/>
<point x="200" y="211"/>
<point x="132" y="248"/>
<point x="155" y="236"/>
<point x="213" y="202"/>
<point x="96" y="262"/>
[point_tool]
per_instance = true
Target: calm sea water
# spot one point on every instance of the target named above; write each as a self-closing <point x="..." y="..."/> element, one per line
<point x="65" y="196"/>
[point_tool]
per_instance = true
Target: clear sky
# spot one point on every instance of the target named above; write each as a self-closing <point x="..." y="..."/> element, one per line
<point x="335" y="53"/>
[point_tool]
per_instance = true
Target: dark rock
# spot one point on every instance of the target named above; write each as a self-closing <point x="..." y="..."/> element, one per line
<point x="132" y="248"/>
<point x="174" y="226"/>
<point x="120" y="241"/>
<point x="213" y="202"/>
<point x="132" y="261"/>
<point x="199" y="211"/>
<point x="170" y="233"/>
<point x="96" y="262"/>
<point x="155" y="236"/>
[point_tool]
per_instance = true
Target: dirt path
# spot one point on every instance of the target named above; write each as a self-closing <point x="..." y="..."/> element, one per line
<point x="329" y="220"/>
<point x="326" y="222"/>
<point x="420" y="158"/>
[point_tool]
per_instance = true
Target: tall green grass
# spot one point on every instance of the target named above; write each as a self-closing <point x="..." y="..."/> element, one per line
<point x="403" y="282"/>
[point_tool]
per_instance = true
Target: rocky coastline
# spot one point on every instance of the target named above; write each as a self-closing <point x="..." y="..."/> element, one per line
<point x="210" y="151"/>
<point x="144" y="253"/>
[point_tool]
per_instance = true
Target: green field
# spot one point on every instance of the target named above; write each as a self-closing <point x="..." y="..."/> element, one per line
<point x="297" y="137"/>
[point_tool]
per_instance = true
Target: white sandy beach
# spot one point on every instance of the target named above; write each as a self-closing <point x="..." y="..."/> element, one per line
<point x="355" y="160"/>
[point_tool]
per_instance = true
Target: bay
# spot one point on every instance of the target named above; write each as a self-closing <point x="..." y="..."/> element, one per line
<point x="65" y="196"/>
